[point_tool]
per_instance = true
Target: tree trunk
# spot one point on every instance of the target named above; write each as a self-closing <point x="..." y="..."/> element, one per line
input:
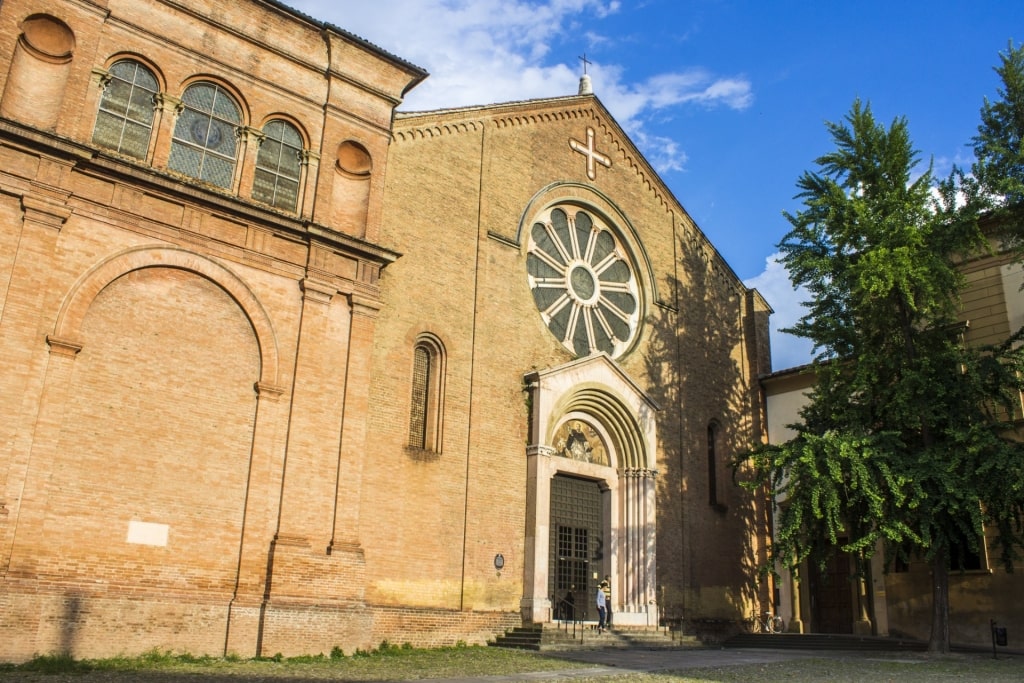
<point x="938" y="642"/>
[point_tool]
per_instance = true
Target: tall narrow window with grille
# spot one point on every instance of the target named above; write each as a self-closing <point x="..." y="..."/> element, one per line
<point x="124" y="122"/>
<point x="427" y="395"/>
<point x="714" y="498"/>
<point x="420" y="393"/>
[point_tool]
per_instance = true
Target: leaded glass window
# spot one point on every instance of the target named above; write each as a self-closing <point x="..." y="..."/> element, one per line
<point x="205" y="145"/>
<point x="278" y="166"/>
<point x="583" y="282"/>
<point x="124" y="122"/>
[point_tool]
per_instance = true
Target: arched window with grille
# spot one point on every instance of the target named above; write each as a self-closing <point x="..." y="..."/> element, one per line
<point x="205" y="144"/>
<point x="427" y="395"/>
<point x="278" y="166"/>
<point x="124" y="122"/>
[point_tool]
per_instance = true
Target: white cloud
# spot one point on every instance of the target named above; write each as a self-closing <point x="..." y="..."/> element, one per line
<point x="662" y="153"/>
<point x="697" y="86"/>
<point x="489" y="51"/>
<point x="774" y="284"/>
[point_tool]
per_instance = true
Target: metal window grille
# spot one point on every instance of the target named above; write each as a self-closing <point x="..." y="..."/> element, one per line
<point x="420" y="397"/>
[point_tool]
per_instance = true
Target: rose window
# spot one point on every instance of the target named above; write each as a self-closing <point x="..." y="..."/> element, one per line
<point x="582" y="282"/>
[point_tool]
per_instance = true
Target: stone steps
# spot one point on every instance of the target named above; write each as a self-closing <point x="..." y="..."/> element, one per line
<point x="559" y="637"/>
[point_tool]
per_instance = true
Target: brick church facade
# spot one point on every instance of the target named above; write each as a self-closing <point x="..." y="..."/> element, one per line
<point x="284" y="369"/>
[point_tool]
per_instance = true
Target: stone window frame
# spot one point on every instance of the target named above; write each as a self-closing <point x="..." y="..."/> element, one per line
<point x="426" y="400"/>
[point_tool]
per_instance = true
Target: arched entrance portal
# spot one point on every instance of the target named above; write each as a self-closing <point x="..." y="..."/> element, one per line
<point x="590" y="492"/>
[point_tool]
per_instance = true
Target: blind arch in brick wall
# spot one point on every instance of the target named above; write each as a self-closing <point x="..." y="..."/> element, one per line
<point x="76" y="303"/>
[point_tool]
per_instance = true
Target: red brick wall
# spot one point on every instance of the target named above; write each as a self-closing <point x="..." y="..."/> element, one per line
<point x="157" y="429"/>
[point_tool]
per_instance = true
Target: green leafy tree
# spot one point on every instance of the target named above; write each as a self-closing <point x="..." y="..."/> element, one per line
<point x="998" y="148"/>
<point x="903" y="440"/>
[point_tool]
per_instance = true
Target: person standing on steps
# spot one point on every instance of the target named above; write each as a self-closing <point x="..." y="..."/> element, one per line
<point x="602" y="606"/>
<point x="606" y="584"/>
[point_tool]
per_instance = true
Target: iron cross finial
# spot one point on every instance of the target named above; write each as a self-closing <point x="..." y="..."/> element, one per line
<point x="585" y="61"/>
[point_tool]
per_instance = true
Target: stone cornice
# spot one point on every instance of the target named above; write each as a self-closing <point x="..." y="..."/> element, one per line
<point x="144" y="178"/>
<point x="352" y="245"/>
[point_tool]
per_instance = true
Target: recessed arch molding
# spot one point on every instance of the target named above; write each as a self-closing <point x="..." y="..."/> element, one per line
<point x="76" y="304"/>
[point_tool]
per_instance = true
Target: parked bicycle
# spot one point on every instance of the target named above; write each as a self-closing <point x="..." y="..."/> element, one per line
<point x="768" y="623"/>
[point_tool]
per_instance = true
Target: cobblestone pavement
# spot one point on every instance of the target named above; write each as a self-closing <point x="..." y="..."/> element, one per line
<point x="612" y="662"/>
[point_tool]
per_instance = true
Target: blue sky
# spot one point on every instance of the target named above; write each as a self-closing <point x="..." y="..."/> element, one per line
<point x="727" y="100"/>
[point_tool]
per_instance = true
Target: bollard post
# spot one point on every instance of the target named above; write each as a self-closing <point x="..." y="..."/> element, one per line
<point x="998" y="636"/>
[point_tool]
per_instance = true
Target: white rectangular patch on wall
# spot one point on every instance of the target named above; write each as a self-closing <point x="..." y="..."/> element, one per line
<point x="148" y="533"/>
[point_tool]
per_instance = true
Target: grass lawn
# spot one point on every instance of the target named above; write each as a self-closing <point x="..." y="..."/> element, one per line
<point x="390" y="663"/>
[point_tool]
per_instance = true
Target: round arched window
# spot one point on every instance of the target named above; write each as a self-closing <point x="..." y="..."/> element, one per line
<point x="583" y="282"/>
<point x="204" y="145"/>
<point x="124" y="122"/>
<point x="278" y="166"/>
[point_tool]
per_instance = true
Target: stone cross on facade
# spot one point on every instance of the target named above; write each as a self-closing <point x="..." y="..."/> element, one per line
<point x="592" y="154"/>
